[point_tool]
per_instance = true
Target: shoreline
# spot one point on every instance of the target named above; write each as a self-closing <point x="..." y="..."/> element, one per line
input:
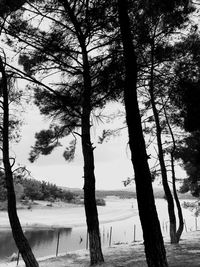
<point x="110" y="213"/>
<point x="39" y="226"/>
<point x="66" y="216"/>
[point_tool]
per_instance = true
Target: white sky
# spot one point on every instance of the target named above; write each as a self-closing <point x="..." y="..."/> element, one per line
<point x="112" y="163"/>
<point x="112" y="159"/>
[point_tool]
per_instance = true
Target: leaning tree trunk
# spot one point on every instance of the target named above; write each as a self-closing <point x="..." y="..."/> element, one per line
<point x="178" y="205"/>
<point x="168" y="194"/>
<point x="17" y="231"/>
<point x="96" y="255"/>
<point x="153" y="241"/>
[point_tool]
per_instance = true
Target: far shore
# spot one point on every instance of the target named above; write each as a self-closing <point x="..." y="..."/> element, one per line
<point x="63" y="215"/>
<point x="69" y="215"/>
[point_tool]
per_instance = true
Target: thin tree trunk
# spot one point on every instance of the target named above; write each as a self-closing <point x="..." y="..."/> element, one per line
<point x="180" y="214"/>
<point x="153" y="241"/>
<point x="96" y="255"/>
<point x="178" y="205"/>
<point x="18" y="234"/>
<point x="168" y="194"/>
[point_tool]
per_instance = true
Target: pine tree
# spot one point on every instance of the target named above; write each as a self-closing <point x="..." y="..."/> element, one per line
<point x="153" y="241"/>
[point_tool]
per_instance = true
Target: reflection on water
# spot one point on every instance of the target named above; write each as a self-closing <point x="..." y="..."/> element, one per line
<point x="7" y="244"/>
<point x="43" y="242"/>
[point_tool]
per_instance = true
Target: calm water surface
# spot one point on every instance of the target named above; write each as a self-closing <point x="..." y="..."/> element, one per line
<point x="44" y="242"/>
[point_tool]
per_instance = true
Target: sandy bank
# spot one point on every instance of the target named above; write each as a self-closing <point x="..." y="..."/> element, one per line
<point x="66" y="215"/>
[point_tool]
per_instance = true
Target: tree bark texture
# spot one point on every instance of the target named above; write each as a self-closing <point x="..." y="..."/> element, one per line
<point x="18" y="235"/>
<point x="96" y="255"/>
<point x="153" y="241"/>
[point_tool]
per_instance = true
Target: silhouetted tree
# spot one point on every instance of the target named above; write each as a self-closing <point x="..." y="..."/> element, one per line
<point x="70" y="47"/>
<point x="17" y="231"/>
<point x="185" y="97"/>
<point x="160" y="22"/>
<point x="153" y="241"/>
<point x="7" y="7"/>
<point x="188" y="152"/>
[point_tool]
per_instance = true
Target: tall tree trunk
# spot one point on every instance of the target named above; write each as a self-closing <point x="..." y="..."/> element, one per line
<point x="153" y="241"/>
<point x="96" y="255"/>
<point x="178" y="205"/>
<point x="18" y="234"/>
<point x="168" y="194"/>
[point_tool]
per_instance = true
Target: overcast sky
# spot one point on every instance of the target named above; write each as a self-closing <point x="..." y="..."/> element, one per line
<point x="112" y="158"/>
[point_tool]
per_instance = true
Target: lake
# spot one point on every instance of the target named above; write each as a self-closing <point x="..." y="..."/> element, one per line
<point x="44" y="242"/>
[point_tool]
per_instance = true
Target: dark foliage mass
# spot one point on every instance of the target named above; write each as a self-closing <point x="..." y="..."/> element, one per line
<point x="189" y="152"/>
<point x="2" y="189"/>
<point x="186" y="91"/>
<point x="7" y="6"/>
<point x="36" y="190"/>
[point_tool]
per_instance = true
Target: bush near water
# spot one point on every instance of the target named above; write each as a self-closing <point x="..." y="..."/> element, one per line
<point x="26" y="188"/>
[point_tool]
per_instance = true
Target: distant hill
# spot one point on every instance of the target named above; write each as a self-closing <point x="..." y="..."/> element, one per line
<point x="125" y="193"/>
<point x="105" y="193"/>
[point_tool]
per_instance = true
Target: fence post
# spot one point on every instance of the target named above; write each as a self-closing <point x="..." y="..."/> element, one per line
<point x="185" y="226"/>
<point x="57" y="243"/>
<point x="166" y="226"/>
<point x="196" y="223"/>
<point x="87" y="239"/>
<point x="110" y="236"/>
<point x="18" y="258"/>
<point x="134" y="233"/>
<point x="103" y="235"/>
<point x="163" y="226"/>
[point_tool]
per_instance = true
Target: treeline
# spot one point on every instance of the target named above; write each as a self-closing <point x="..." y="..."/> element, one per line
<point x="26" y="188"/>
<point x="105" y="193"/>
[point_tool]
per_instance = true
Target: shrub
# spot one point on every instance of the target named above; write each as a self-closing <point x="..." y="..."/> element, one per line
<point x="100" y="202"/>
<point x="3" y="205"/>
